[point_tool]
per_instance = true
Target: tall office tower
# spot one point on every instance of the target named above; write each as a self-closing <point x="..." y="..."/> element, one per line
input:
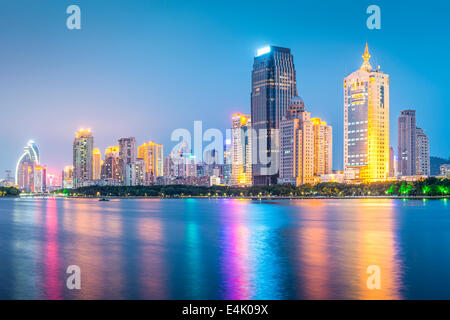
<point x="241" y="152"/>
<point x="112" y="166"/>
<point x="67" y="177"/>
<point x="407" y="143"/>
<point x="152" y="154"/>
<point x="323" y="147"/>
<point x="30" y="156"/>
<point x="273" y="87"/>
<point x="127" y="152"/>
<point x="83" y="164"/>
<point x="366" y="123"/>
<point x="97" y="163"/>
<point x="392" y="165"/>
<point x="297" y="146"/>
<point x="423" y="166"/>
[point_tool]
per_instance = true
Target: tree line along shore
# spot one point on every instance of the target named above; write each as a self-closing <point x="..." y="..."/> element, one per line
<point x="431" y="187"/>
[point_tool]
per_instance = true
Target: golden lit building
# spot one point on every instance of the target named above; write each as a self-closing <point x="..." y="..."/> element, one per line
<point x="323" y="147"/>
<point x="152" y="153"/>
<point x="241" y="147"/>
<point x="366" y="123"/>
<point x="97" y="162"/>
<point x="82" y="158"/>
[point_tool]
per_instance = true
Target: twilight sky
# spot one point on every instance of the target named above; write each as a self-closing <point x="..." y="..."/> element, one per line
<point x="144" y="68"/>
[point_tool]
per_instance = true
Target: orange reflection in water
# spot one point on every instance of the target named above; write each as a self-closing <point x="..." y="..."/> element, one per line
<point x="376" y="246"/>
<point x="336" y="249"/>
<point x="315" y="257"/>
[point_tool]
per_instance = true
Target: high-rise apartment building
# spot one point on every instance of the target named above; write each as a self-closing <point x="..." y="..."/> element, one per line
<point x="305" y="146"/>
<point x="407" y="143"/>
<point x="112" y="166"/>
<point x="323" y="147"/>
<point x="423" y="166"/>
<point x="127" y="152"/>
<point x="366" y="123"/>
<point x="273" y="87"/>
<point x="83" y="164"/>
<point x="152" y="153"/>
<point x="241" y="151"/>
<point x="97" y="163"/>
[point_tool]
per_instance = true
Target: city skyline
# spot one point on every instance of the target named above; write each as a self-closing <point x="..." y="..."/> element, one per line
<point x="409" y="66"/>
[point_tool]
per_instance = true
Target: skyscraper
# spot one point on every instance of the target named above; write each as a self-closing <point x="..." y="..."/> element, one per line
<point x="323" y="147"/>
<point x="152" y="153"/>
<point x="127" y="152"/>
<point x="423" y="166"/>
<point x="97" y="163"/>
<point x="112" y="167"/>
<point x="273" y="87"/>
<point x="366" y="122"/>
<point x="305" y="146"/>
<point x="241" y="151"/>
<point x="407" y="143"/>
<point x="83" y="165"/>
<point x="30" y="156"/>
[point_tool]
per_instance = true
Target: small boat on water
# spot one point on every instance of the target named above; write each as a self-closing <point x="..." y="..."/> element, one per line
<point x="103" y="199"/>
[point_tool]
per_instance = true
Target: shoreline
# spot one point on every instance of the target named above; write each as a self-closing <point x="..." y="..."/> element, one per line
<point x="265" y="198"/>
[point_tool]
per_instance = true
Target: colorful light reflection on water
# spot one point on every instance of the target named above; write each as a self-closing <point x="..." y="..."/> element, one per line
<point x="224" y="249"/>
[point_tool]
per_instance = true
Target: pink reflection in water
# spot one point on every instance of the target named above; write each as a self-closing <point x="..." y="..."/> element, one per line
<point x="235" y="262"/>
<point x="52" y="283"/>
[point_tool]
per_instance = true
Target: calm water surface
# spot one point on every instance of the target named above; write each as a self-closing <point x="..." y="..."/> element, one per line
<point x="224" y="249"/>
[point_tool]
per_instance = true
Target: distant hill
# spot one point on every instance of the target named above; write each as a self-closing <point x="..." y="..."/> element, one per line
<point x="436" y="163"/>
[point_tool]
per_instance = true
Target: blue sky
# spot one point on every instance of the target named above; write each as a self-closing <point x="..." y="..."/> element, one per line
<point x="144" y="68"/>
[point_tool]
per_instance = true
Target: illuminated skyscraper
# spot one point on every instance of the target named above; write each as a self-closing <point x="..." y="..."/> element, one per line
<point x="423" y="166"/>
<point x="30" y="156"/>
<point x="152" y="154"/>
<point x="273" y="87"/>
<point x="323" y="147"/>
<point x="407" y="143"/>
<point x="127" y="152"/>
<point x="241" y="150"/>
<point x="366" y="122"/>
<point x="83" y="164"/>
<point x="97" y="160"/>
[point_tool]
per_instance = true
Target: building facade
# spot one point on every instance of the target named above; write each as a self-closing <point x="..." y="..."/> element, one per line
<point x="305" y="146"/>
<point x="112" y="166"/>
<point x="366" y="123"/>
<point x="83" y="163"/>
<point x="273" y="86"/>
<point x="128" y="155"/>
<point x="407" y="143"/>
<point x="423" y="166"/>
<point x="97" y="163"/>
<point x="153" y="156"/>
<point x="241" y="151"/>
